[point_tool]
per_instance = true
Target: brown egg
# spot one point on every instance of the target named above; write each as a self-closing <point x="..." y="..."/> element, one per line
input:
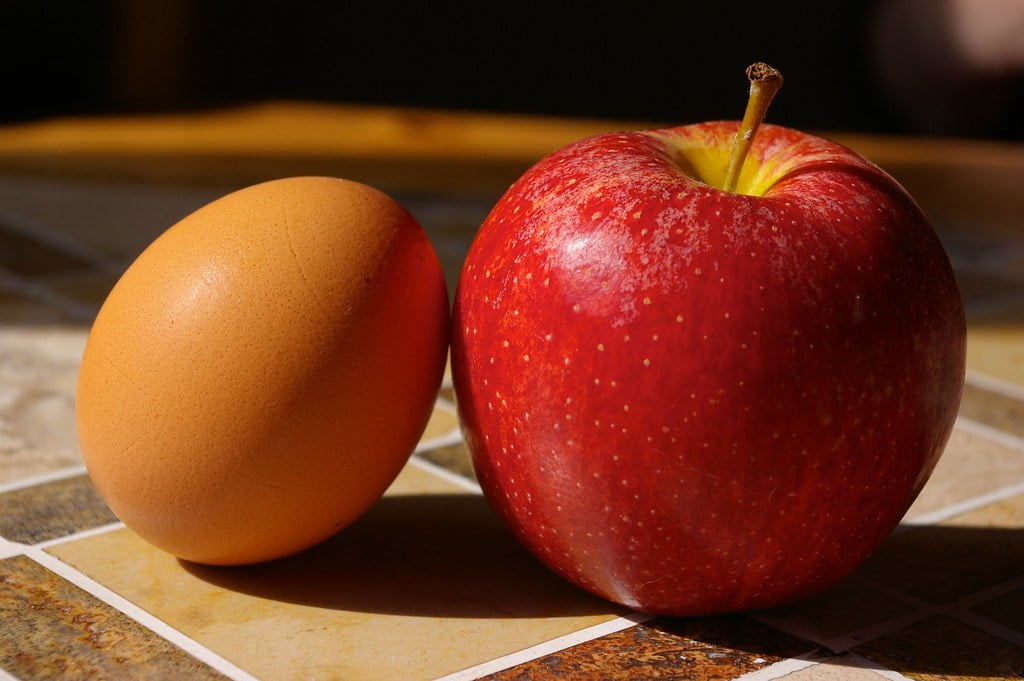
<point x="262" y="372"/>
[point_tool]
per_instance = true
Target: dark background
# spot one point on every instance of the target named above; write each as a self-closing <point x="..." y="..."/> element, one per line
<point x="680" y="62"/>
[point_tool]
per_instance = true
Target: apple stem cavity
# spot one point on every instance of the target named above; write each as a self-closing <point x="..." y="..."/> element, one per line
<point x="765" y="81"/>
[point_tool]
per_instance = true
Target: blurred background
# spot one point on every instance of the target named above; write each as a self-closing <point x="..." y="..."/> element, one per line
<point x="925" y="67"/>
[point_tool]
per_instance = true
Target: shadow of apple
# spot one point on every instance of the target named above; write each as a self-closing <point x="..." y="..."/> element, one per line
<point x="443" y="555"/>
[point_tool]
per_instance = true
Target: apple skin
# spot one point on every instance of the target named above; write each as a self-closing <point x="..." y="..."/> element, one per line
<point x="690" y="401"/>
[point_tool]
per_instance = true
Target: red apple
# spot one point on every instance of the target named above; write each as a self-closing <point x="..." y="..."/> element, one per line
<point x="690" y="400"/>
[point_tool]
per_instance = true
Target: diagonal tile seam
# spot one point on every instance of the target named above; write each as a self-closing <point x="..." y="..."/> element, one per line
<point x="76" y="311"/>
<point x="52" y="476"/>
<point x="136" y="613"/>
<point x="38" y="232"/>
<point x="995" y="385"/>
<point x="871" y="665"/>
<point x="548" y="647"/>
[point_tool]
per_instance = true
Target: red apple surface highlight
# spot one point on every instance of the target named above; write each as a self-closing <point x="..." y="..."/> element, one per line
<point x="688" y="400"/>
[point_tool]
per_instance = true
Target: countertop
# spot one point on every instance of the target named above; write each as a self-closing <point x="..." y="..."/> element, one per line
<point x="427" y="584"/>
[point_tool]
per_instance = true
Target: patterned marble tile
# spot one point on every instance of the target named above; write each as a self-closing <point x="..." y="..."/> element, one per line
<point x="942" y="648"/>
<point x="54" y="509"/>
<point x="425" y="584"/>
<point x="51" y="629"/>
<point x="38" y="370"/>
<point x="711" y="648"/>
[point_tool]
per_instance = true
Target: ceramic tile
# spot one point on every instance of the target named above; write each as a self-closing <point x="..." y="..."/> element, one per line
<point x="833" y="671"/>
<point x="26" y="256"/>
<point x="18" y="308"/>
<point x="54" y="509"/>
<point x="443" y="422"/>
<point x="38" y="370"/>
<point x="51" y="629"/>
<point x="712" y="648"/>
<point x="995" y="342"/>
<point x="1006" y="610"/>
<point x="835" y="616"/>
<point x="942" y="648"/>
<point x="992" y="408"/>
<point x="962" y="555"/>
<point x="971" y="465"/>
<point x="421" y="586"/>
<point x="110" y="221"/>
<point x="89" y="288"/>
<point x="454" y="458"/>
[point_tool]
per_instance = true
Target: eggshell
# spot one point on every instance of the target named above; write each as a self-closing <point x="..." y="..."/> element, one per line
<point x="261" y="373"/>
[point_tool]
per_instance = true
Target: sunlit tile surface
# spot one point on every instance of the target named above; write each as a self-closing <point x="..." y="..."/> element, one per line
<point x="428" y="583"/>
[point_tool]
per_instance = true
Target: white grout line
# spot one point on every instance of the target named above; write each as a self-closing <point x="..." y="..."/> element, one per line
<point x="870" y="665"/>
<point x="964" y="506"/>
<point x="10" y="548"/>
<point x="445" y="474"/>
<point x="990" y="433"/>
<point x="783" y="667"/>
<point x="548" y="647"/>
<point x="83" y="534"/>
<point x="52" y="476"/>
<point x="996" y="385"/>
<point x="141" y="616"/>
<point x="452" y="437"/>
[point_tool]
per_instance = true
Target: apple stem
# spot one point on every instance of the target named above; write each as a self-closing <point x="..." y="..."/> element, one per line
<point x="765" y="81"/>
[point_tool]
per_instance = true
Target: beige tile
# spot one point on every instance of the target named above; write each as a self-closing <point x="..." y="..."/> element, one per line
<point x="995" y="342"/>
<point x="454" y="458"/>
<point x="443" y="422"/>
<point x="425" y="584"/>
<point x="38" y="370"/>
<point x="1001" y="411"/>
<point x="833" y="671"/>
<point x="970" y="466"/>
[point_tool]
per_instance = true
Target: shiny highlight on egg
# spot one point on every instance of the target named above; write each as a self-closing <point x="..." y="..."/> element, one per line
<point x="260" y="374"/>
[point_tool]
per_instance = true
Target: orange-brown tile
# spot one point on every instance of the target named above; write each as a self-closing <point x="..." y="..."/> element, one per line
<point x="54" y="509"/>
<point x="710" y="648"/>
<point x="51" y="629"/>
<point x="944" y="649"/>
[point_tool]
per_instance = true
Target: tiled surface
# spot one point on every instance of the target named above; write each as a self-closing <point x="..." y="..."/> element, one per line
<point x="428" y="584"/>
